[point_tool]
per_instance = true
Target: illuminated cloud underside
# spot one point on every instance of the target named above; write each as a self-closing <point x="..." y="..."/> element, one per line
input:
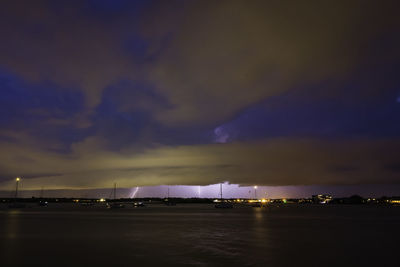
<point x="274" y="162"/>
<point x="149" y="93"/>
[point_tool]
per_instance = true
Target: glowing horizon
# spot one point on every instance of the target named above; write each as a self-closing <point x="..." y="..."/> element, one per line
<point x="212" y="191"/>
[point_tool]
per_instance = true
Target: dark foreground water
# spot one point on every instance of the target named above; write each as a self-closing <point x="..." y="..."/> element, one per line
<point x="200" y="235"/>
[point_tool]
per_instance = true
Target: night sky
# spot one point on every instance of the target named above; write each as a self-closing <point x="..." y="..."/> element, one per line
<point x="143" y="93"/>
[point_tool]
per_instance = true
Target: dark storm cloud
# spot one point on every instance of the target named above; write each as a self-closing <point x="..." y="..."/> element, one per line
<point x="230" y="52"/>
<point x="293" y="92"/>
<point x="63" y="43"/>
<point x="233" y="54"/>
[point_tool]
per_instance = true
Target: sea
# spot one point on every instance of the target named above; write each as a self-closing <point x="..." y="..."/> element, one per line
<point x="200" y="235"/>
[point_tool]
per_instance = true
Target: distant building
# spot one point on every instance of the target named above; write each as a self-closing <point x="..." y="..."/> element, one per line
<point x="321" y="199"/>
<point x="395" y="200"/>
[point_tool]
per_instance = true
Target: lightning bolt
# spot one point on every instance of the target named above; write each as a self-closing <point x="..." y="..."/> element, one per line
<point x="134" y="192"/>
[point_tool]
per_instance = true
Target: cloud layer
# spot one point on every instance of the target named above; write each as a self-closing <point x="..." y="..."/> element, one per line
<point x="273" y="162"/>
<point x="147" y="93"/>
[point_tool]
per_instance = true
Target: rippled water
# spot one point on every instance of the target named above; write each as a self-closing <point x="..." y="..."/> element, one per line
<point x="200" y="235"/>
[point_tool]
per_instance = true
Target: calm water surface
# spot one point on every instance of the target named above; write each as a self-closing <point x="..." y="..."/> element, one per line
<point x="200" y="235"/>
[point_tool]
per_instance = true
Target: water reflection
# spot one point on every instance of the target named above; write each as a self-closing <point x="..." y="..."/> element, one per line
<point x="10" y="235"/>
<point x="196" y="235"/>
<point x="12" y="224"/>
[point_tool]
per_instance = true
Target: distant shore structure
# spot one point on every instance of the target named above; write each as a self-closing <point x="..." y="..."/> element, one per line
<point x="16" y="186"/>
<point x="167" y="201"/>
<point x="115" y="205"/>
<point x="223" y="204"/>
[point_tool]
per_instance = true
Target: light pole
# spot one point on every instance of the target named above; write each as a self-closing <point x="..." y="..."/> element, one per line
<point x="16" y="186"/>
<point x="255" y="192"/>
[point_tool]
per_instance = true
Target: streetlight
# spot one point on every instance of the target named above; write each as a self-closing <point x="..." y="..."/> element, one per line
<point x="16" y="186"/>
<point x="255" y="192"/>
